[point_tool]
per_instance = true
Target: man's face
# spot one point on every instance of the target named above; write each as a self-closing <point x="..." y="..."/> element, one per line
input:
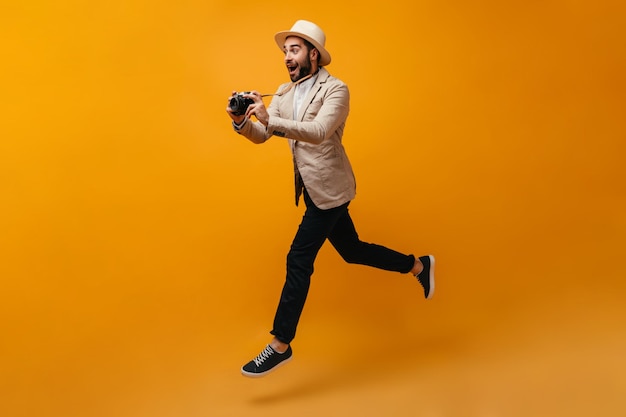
<point x="297" y="58"/>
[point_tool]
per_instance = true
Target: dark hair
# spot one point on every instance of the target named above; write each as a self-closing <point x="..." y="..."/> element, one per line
<point x="310" y="47"/>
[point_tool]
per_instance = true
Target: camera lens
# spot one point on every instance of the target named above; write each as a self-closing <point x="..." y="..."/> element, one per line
<point x="238" y="104"/>
<point x="234" y="104"/>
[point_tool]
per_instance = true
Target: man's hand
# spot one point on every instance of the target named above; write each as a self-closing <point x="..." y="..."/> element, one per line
<point x="257" y="108"/>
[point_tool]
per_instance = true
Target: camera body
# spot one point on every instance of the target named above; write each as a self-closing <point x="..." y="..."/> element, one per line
<point x="239" y="104"/>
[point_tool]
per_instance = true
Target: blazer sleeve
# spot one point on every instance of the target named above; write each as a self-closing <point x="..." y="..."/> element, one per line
<point x="324" y="115"/>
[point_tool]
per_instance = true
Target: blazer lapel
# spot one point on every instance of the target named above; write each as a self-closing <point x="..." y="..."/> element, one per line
<point x="286" y="105"/>
<point x="322" y="75"/>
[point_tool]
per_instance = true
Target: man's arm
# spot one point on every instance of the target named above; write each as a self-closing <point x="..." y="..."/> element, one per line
<point x="323" y="117"/>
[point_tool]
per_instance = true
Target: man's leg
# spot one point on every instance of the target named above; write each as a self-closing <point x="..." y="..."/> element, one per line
<point x="313" y="231"/>
<point x="346" y="241"/>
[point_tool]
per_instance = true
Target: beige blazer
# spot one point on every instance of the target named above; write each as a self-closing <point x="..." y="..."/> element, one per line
<point x="315" y="139"/>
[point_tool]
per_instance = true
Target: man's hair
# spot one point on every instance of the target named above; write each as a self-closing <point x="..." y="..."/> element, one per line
<point x="310" y="47"/>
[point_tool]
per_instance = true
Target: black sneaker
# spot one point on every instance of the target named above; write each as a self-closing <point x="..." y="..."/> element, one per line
<point x="267" y="361"/>
<point x="427" y="276"/>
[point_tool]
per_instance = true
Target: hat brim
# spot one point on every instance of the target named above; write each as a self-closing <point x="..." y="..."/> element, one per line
<point x="280" y="38"/>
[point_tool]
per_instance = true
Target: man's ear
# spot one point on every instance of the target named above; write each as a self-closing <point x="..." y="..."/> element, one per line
<point x="315" y="54"/>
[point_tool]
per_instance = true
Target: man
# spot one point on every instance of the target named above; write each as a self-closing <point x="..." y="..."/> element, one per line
<point x="311" y="113"/>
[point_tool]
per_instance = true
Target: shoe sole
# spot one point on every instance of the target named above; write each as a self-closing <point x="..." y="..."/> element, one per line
<point x="260" y="374"/>
<point x="431" y="277"/>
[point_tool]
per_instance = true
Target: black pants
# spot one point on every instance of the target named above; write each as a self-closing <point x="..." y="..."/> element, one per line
<point x="318" y="225"/>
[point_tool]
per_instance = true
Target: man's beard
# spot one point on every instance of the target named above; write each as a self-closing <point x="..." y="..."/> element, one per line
<point x="305" y="69"/>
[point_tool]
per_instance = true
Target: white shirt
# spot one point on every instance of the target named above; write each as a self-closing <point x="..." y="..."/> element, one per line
<point x="301" y="91"/>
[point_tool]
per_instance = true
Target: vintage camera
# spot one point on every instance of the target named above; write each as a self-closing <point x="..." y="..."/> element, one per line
<point x="239" y="104"/>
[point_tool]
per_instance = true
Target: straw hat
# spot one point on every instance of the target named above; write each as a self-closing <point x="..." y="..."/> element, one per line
<point x="309" y="31"/>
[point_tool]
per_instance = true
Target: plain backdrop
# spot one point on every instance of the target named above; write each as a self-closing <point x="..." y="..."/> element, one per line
<point x="143" y="242"/>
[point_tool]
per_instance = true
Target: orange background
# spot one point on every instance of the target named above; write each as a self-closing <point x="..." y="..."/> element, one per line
<point x="143" y="242"/>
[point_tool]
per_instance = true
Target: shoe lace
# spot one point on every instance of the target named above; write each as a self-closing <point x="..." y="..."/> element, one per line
<point x="263" y="356"/>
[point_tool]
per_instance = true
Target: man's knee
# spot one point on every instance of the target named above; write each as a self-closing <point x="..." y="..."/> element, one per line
<point x="352" y="256"/>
